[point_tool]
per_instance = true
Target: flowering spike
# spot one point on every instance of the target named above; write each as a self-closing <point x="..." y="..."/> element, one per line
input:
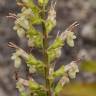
<point x="33" y="14"/>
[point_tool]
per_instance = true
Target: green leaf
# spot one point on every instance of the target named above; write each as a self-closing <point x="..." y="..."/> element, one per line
<point x="32" y="60"/>
<point x="59" y="72"/>
<point x="32" y="68"/>
<point x="49" y="24"/>
<point x="53" y="54"/>
<point x="36" y="20"/>
<point x="56" y="44"/>
<point x="34" y="64"/>
<point x="54" y="51"/>
<point x="35" y="38"/>
<point x="58" y="89"/>
<point x="33" y="85"/>
<point x="60" y="85"/>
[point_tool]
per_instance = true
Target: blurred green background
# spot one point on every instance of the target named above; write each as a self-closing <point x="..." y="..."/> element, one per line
<point x="68" y="11"/>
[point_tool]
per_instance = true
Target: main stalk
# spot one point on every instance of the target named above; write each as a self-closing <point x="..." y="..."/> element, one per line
<point x="45" y="55"/>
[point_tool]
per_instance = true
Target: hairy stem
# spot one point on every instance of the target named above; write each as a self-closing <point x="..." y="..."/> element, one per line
<point x="46" y="62"/>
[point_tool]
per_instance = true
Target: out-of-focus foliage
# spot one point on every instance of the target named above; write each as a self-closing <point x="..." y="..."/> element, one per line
<point x="89" y="66"/>
<point x="79" y="89"/>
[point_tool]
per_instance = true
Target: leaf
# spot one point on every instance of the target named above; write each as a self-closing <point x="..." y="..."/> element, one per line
<point x="34" y="38"/>
<point x="33" y="85"/>
<point x="32" y="68"/>
<point x="32" y="62"/>
<point x="59" y="72"/>
<point x="53" y="54"/>
<point x="60" y="85"/>
<point x="54" y="51"/>
<point x="56" y="44"/>
<point x="49" y="24"/>
<point x="36" y="20"/>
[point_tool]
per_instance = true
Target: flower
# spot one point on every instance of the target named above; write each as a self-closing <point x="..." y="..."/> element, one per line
<point x="52" y="14"/>
<point x="51" y="19"/>
<point x="69" y="37"/>
<point x="16" y="57"/>
<point x="72" y="69"/>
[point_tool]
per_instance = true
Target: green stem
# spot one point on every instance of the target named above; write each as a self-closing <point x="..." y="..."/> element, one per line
<point x="46" y="62"/>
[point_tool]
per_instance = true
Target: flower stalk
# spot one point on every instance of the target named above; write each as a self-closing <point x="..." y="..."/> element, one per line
<point x="45" y="55"/>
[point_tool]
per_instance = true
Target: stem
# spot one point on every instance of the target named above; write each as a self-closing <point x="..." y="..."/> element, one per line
<point x="46" y="62"/>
